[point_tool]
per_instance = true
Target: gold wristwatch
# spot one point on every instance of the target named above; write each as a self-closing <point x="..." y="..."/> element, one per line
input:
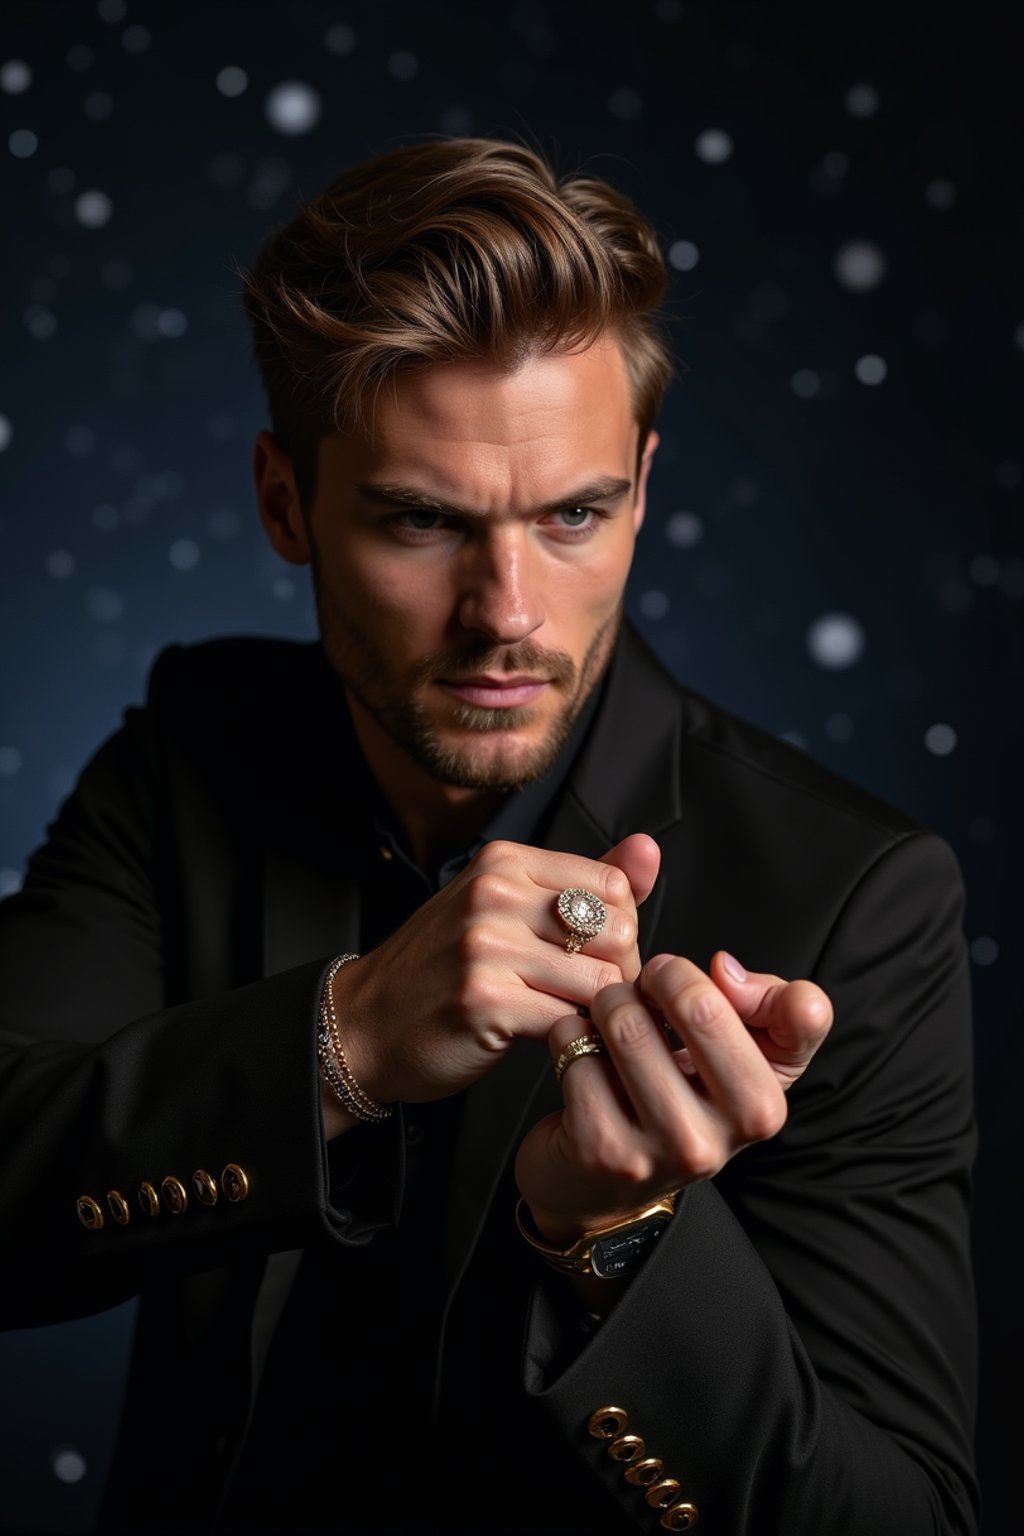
<point x="610" y="1253"/>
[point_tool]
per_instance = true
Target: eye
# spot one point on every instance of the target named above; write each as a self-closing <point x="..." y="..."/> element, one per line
<point x="575" y="517"/>
<point x="422" y="519"/>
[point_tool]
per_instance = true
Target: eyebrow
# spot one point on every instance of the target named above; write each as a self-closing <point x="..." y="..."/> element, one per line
<point x="390" y="494"/>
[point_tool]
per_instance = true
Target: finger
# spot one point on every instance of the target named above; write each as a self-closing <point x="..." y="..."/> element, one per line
<point x="553" y="872"/>
<point x="639" y="858"/>
<point x="731" y="1068"/>
<point x="595" y="1089"/>
<point x="795" y="1015"/>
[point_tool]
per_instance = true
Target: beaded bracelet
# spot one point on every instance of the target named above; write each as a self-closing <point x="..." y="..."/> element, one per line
<point x="334" y="1069"/>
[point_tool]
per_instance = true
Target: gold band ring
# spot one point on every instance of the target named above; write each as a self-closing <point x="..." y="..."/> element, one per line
<point x="583" y="914"/>
<point x="583" y="1045"/>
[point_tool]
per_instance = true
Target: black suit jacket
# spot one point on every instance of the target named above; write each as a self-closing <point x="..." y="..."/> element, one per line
<point x="798" y="1352"/>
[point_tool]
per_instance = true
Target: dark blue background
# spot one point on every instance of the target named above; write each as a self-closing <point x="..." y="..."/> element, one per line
<point x="786" y="492"/>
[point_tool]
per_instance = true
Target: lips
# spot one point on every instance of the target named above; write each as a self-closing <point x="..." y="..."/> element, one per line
<point x="496" y="692"/>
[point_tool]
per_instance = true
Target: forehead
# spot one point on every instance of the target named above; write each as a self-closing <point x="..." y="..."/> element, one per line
<point x="477" y="432"/>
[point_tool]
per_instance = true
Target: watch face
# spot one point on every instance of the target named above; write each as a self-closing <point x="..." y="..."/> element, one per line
<point x="623" y="1252"/>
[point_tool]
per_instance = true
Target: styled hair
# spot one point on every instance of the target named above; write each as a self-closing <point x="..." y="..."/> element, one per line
<point x="441" y="252"/>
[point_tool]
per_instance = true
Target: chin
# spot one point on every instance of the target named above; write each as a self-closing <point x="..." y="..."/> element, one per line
<point x="476" y="764"/>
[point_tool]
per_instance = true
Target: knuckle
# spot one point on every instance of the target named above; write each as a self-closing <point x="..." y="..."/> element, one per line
<point x="492" y="855"/>
<point x="702" y="1005"/>
<point x="700" y="1158"/>
<point x="477" y="992"/>
<point x="601" y="975"/>
<point x="484" y="891"/>
<point x="623" y="930"/>
<point x="476" y="943"/>
<point x="766" y="1118"/>
<point x="635" y="1167"/>
<point x="617" y="888"/>
<point x="602" y="1153"/>
<point x="629" y="1028"/>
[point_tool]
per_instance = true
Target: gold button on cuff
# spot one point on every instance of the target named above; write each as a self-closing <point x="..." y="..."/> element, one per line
<point x="643" y="1473"/>
<point x="681" y="1517"/>
<point x="204" y="1187"/>
<point x="234" y="1181"/>
<point x="627" y="1448"/>
<point x="149" y="1200"/>
<point x="661" y="1495"/>
<point x="119" y="1207"/>
<point x="175" y="1195"/>
<point x="606" y="1423"/>
<point x="89" y="1213"/>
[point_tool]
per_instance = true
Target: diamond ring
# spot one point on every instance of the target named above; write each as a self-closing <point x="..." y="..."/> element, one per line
<point x="583" y="914"/>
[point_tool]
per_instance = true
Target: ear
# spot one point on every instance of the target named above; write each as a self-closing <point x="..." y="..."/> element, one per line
<point x="278" y="499"/>
<point x="640" y="500"/>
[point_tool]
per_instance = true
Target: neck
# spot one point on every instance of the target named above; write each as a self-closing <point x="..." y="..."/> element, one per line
<point x="438" y="819"/>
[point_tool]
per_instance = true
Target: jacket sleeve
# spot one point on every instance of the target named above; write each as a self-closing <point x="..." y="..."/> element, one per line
<point x="799" y="1352"/>
<point x="106" y="1092"/>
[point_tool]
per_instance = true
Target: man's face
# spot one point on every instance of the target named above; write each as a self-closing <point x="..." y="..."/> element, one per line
<point x="469" y="560"/>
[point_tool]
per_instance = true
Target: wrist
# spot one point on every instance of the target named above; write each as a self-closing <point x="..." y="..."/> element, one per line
<point x="336" y="1070"/>
<point x="612" y="1250"/>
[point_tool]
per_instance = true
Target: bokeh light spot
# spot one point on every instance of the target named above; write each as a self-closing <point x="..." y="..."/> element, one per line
<point x="713" y="146"/>
<point x="340" y="39"/>
<point x="683" y="255"/>
<point x="654" y="604"/>
<point x="293" y="107"/>
<point x="403" y="65"/>
<point x="231" y="80"/>
<point x="93" y="209"/>
<point x="22" y="143"/>
<point x="15" y="77"/>
<point x="835" y="640"/>
<point x="862" y="100"/>
<point x="60" y="564"/>
<point x="871" y="369"/>
<point x="184" y="554"/>
<point x="805" y="384"/>
<point x="684" y="530"/>
<point x="940" y="739"/>
<point x="859" y="265"/>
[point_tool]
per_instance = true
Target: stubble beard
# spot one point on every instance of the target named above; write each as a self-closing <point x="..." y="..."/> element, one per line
<point x="395" y="704"/>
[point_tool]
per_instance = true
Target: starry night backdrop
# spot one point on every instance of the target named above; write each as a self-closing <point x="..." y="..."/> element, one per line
<point x="834" y="542"/>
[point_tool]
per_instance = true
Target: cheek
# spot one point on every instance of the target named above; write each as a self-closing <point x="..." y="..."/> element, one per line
<point x="392" y="600"/>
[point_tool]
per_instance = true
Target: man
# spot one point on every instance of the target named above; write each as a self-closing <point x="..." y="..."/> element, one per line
<point x="287" y="983"/>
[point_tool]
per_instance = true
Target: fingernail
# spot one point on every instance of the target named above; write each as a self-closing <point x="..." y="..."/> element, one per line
<point x="656" y="963"/>
<point x="733" y="966"/>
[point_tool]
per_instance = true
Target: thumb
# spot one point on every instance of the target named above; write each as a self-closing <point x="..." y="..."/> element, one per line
<point x="639" y="858"/>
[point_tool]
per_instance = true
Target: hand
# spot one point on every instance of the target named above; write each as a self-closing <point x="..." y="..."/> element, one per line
<point x="644" y="1119"/>
<point x="438" y="1003"/>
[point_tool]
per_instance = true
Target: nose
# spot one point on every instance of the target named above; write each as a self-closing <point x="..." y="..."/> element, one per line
<point x="500" y="596"/>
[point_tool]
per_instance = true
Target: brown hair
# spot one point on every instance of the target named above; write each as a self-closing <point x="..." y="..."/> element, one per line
<point x="467" y="248"/>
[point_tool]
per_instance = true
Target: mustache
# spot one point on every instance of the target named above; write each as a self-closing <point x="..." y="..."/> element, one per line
<point x="453" y="666"/>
